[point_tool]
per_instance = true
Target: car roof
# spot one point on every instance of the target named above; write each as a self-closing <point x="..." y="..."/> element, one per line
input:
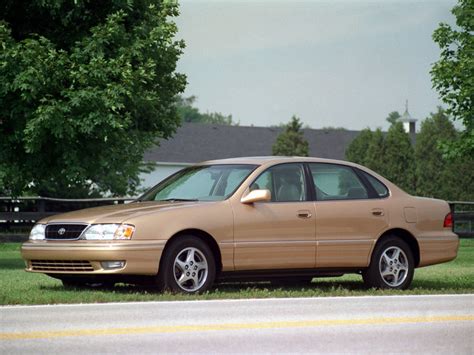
<point x="270" y="160"/>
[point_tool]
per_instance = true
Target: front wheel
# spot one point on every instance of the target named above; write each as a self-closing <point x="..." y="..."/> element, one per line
<point x="188" y="266"/>
<point x="392" y="265"/>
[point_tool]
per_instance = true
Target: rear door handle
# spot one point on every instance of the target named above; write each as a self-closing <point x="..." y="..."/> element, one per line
<point x="377" y="212"/>
<point x="304" y="214"/>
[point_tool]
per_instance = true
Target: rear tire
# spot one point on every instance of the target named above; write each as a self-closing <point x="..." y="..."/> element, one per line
<point x="188" y="266"/>
<point x="392" y="265"/>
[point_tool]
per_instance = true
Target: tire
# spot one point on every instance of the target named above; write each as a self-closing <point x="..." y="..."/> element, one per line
<point x="188" y="266"/>
<point x="392" y="265"/>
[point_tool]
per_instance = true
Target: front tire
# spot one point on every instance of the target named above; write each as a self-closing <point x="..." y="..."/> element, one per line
<point x="392" y="265"/>
<point x="188" y="266"/>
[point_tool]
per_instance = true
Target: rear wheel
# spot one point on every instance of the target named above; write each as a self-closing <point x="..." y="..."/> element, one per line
<point x="392" y="265"/>
<point x="188" y="266"/>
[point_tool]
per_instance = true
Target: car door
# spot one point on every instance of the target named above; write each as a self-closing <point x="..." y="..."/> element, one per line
<point x="277" y="234"/>
<point x="350" y="215"/>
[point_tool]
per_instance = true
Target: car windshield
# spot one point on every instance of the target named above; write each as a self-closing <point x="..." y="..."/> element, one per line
<point x="200" y="183"/>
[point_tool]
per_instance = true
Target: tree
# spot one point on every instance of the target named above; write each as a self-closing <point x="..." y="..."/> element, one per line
<point x="452" y="75"/>
<point x="85" y="88"/>
<point x="399" y="158"/>
<point x="390" y="155"/>
<point x="375" y="153"/>
<point x="356" y="151"/>
<point x="448" y="179"/>
<point x="291" y="141"/>
<point x="393" y="117"/>
<point x="368" y="149"/>
<point x="189" y="113"/>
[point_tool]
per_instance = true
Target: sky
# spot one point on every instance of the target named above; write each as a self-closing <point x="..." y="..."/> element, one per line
<point x="332" y="63"/>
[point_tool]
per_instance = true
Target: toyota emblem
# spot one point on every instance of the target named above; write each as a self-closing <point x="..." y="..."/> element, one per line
<point x="61" y="231"/>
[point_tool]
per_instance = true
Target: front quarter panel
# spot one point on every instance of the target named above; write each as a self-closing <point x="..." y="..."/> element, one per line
<point x="213" y="218"/>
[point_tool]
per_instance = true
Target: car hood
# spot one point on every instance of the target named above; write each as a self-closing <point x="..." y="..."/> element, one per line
<point x="116" y="213"/>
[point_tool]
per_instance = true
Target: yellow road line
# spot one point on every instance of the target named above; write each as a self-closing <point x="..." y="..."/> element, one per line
<point x="231" y="326"/>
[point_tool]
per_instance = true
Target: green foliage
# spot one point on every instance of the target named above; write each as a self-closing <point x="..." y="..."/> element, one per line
<point x="374" y="156"/>
<point x="356" y="151"/>
<point x="448" y="179"/>
<point x="399" y="158"/>
<point x="391" y="155"/>
<point x="188" y="113"/>
<point x="85" y="88"/>
<point x="393" y="117"/>
<point x="291" y="141"/>
<point x="423" y="170"/>
<point x="452" y="75"/>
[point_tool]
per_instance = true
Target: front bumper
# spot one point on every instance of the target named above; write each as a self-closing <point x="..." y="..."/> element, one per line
<point x="141" y="257"/>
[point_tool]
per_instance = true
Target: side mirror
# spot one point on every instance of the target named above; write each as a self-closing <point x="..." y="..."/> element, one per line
<point x="256" y="196"/>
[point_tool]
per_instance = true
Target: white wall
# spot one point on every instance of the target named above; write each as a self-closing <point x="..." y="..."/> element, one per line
<point x="161" y="172"/>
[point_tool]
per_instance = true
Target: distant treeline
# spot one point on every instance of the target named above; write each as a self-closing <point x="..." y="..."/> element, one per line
<point x="420" y="168"/>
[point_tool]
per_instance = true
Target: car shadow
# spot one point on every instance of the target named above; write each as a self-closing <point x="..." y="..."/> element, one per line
<point x="227" y="287"/>
<point x="319" y="286"/>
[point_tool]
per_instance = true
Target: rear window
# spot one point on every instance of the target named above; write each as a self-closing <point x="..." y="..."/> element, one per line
<point x="336" y="182"/>
<point x="380" y="188"/>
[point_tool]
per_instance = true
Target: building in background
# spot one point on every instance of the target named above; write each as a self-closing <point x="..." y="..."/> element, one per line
<point x="195" y="142"/>
<point x="409" y="123"/>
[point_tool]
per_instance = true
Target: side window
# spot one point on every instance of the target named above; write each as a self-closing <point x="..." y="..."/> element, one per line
<point x="380" y="188"/>
<point x="336" y="182"/>
<point x="285" y="182"/>
<point x="236" y="176"/>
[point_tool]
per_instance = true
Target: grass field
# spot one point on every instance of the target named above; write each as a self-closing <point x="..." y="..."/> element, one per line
<point x="20" y="287"/>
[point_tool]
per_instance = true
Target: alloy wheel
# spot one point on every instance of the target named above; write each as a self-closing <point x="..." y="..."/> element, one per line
<point x="190" y="269"/>
<point x="393" y="266"/>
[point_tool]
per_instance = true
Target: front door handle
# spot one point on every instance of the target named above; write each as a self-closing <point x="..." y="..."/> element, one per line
<point x="377" y="212"/>
<point x="304" y="214"/>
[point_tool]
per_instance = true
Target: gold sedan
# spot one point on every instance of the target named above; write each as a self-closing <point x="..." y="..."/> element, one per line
<point x="261" y="218"/>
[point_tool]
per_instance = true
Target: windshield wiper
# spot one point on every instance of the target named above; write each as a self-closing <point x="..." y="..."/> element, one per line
<point x="173" y="199"/>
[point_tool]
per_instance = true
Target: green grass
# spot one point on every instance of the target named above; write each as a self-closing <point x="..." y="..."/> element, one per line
<point x="20" y="287"/>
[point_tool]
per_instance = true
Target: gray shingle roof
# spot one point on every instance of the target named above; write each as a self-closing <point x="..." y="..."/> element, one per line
<point x="195" y="142"/>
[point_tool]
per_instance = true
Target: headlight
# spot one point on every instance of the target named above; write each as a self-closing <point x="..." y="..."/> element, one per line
<point x="108" y="232"/>
<point x="37" y="233"/>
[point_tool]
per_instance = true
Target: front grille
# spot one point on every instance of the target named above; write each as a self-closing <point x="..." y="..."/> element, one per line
<point x="61" y="265"/>
<point x="64" y="231"/>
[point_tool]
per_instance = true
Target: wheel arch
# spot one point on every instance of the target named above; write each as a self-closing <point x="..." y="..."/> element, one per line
<point x="407" y="237"/>
<point x="205" y="237"/>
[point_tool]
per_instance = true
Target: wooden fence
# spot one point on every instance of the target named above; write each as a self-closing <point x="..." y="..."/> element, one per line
<point x="19" y="214"/>
<point x="463" y="216"/>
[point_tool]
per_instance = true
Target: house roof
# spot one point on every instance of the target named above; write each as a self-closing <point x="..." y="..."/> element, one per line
<point x="194" y="142"/>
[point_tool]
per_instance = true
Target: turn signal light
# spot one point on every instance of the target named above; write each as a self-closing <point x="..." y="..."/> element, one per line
<point x="448" y="221"/>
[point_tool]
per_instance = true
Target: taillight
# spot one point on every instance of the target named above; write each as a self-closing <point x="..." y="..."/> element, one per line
<point x="448" y="221"/>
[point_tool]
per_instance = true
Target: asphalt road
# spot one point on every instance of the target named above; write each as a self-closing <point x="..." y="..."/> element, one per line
<point x="387" y="324"/>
